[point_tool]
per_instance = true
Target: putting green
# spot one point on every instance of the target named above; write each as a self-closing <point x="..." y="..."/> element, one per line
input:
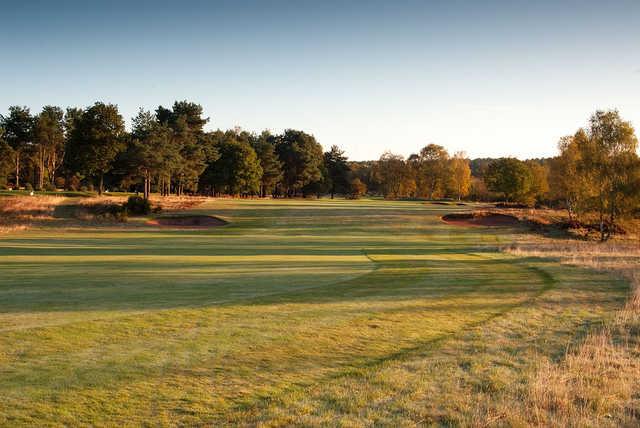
<point x="297" y="312"/>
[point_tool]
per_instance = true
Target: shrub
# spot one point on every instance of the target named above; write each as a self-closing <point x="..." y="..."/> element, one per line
<point x="357" y="189"/>
<point x="137" y="205"/>
<point x="107" y="211"/>
<point x="60" y="183"/>
<point x="28" y="187"/>
<point x="49" y="187"/>
<point x="74" y="183"/>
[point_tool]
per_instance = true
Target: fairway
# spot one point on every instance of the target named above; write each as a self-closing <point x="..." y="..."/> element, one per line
<point x="296" y="312"/>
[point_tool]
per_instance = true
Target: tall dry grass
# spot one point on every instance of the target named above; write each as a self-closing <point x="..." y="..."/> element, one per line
<point x="165" y="203"/>
<point x="597" y="383"/>
<point x="177" y="203"/>
<point x="21" y="212"/>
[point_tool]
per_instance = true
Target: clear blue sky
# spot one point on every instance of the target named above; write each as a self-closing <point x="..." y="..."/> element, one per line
<point x="492" y="78"/>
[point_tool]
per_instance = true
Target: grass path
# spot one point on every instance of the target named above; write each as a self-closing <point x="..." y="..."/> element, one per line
<point x="298" y="312"/>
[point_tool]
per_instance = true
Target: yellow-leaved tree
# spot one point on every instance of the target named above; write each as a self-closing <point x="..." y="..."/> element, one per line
<point x="460" y="175"/>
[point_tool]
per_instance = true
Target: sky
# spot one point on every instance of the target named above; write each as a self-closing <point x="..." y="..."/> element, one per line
<point x="491" y="78"/>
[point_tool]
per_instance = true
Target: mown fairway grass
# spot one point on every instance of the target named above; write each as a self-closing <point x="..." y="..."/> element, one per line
<point x="298" y="312"/>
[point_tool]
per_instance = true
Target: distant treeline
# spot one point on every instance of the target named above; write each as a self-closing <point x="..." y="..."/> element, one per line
<point x="169" y="152"/>
<point x="596" y="172"/>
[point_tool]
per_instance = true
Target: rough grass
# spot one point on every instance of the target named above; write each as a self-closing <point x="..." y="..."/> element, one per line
<point x="21" y="211"/>
<point x="598" y="381"/>
<point x="340" y="313"/>
<point x="556" y="222"/>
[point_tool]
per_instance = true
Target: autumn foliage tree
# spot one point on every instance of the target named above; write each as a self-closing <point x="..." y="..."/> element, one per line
<point x="391" y="172"/>
<point x="598" y="169"/>
<point x="433" y="171"/>
<point x="568" y="177"/>
<point x="357" y="188"/>
<point x="460" y="173"/>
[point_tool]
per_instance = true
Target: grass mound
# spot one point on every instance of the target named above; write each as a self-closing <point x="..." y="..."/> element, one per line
<point x="481" y="219"/>
<point x="188" y="221"/>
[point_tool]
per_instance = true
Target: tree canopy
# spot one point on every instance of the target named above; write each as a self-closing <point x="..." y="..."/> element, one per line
<point x="337" y="170"/>
<point x="96" y="140"/>
<point x="169" y="151"/>
<point x="301" y="158"/>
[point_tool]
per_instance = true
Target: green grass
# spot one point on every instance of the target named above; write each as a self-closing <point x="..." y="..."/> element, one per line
<point x="298" y="312"/>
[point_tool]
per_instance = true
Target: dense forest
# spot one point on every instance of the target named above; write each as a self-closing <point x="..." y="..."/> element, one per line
<point x="168" y="151"/>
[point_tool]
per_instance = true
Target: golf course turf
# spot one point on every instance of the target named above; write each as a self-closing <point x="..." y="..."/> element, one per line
<point x="296" y="312"/>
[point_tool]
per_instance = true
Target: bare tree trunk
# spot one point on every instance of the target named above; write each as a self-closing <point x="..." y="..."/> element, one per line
<point x="570" y="211"/>
<point x="602" y="234"/>
<point x="612" y="215"/>
<point x="101" y="186"/>
<point x="41" y="171"/>
<point x="51" y="166"/>
<point x="17" y="159"/>
<point x="146" y="185"/>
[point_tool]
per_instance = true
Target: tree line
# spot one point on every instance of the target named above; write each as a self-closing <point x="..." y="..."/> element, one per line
<point x="596" y="172"/>
<point x="168" y="151"/>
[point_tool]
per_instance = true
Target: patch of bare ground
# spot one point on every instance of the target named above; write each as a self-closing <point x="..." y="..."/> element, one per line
<point x="597" y="383"/>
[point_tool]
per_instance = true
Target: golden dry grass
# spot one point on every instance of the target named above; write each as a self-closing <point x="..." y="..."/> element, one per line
<point x="550" y="217"/>
<point x="177" y="203"/>
<point x="20" y="212"/>
<point x="23" y="212"/>
<point x="597" y="382"/>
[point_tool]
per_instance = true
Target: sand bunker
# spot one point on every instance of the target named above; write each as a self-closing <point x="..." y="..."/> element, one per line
<point x="480" y="219"/>
<point x="191" y="221"/>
